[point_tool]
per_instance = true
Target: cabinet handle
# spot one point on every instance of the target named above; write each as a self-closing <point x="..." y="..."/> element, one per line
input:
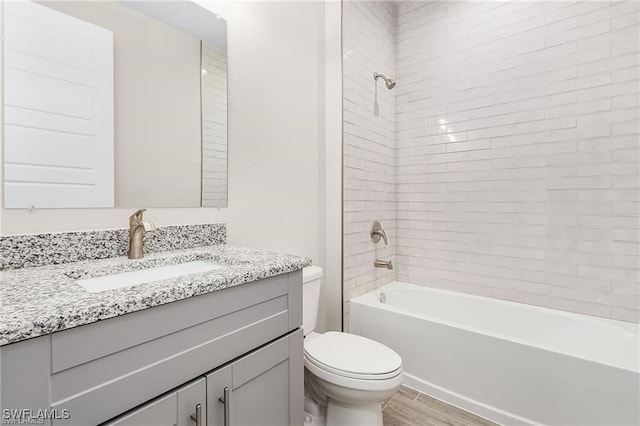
<point x="198" y="416"/>
<point x="226" y="401"/>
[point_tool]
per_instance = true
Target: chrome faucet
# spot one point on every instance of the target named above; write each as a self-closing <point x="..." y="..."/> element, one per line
<point x="137" y="227"/>
<point x="377" y="232"/>
<point x="383" y="264"/>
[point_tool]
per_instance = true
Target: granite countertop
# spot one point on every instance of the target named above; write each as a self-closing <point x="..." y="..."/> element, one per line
<point x="41" y="300"/>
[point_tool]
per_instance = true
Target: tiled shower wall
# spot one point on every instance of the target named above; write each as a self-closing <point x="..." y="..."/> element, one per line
<point x="515" y="151"/>
<point x="368" y="144"/>
<point x="517" y="128"/>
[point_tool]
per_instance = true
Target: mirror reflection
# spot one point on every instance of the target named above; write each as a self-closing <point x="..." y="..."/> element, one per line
<point x="114" y="104"/>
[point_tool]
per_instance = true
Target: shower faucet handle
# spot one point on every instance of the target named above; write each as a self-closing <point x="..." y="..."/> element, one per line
<point x="377" y="232"/>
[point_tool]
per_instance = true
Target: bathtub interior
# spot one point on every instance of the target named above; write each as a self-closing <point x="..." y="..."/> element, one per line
<point x="610" y="342"/>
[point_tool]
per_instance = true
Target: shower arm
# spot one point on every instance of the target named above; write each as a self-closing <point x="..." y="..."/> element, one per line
<point x="389" y="82"/>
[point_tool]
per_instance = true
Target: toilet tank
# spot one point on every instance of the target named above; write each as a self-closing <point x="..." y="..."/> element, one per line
<point x="311" y="281"/>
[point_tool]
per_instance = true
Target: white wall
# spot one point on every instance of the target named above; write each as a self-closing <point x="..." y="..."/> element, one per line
<point x="282" y="131"/>
<point x="369" y="123"/>
<point x="517" y="129"/>
<point x="274" y="126"/>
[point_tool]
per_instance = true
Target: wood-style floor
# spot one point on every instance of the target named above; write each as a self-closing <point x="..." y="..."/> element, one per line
<point x="408" y="407"/>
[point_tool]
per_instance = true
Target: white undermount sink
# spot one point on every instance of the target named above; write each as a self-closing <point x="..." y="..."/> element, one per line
<point x="142" y="276"/>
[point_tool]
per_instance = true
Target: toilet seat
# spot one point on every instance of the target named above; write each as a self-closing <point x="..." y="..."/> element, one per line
<point x="334" y="354"/>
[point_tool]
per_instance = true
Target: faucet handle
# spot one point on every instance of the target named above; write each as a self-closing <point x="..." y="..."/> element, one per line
<point x="377" y="232"/>
<point x="148" y="226"/>
<point x="136" y="218"/>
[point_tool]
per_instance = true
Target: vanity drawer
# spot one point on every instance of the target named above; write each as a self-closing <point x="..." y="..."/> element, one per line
<point x="247" y="327"/>
<point x="79" y="345"/>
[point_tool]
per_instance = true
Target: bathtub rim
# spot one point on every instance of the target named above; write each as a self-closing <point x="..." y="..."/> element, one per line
<point x="371" y="298"/>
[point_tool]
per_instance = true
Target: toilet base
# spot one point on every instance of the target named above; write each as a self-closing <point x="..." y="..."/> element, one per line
<point x="339" y="414"/>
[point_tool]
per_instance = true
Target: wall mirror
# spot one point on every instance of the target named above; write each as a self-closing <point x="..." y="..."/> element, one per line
<point x="114" y="104"/>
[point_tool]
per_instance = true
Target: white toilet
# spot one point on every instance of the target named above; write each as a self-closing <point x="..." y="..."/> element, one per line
<point x="350" y="375"/>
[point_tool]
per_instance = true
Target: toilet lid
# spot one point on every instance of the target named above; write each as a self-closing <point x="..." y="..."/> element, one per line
<point x="352" y="355"/>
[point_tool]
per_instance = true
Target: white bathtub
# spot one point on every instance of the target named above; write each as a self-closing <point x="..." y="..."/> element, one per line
<point x="508" y="362"/>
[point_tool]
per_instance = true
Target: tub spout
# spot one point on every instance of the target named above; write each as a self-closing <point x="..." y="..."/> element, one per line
<point x="383" y="264"/>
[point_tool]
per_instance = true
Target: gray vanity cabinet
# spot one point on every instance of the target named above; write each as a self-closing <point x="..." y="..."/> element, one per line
<point x="154" y="366"/>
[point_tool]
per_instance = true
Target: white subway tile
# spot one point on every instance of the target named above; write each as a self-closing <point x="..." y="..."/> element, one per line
<point x="609" y="273"/>
<point x="626" y="209"/>
<point x="624" y="21"/>
<point x="627" y="288"/>
<point x="508" y="161"/>
<point x="550" y="124"/>
<point x="626" y="155"/>
<point x="624" y="102"/>
<point x="593" y="131"/>
<point x="624" y="47"/>
<point x="608" y="144"/>
<point x="574" y="282"/>
<point x="629" y="33"/>
<point x="632" y="235"/>
<point x="582" y="182"/>
<point x="608" y="247"/>
<point x="626" y="128"/>
<point x="469" y="146"/>
<point x="627" y="181"/>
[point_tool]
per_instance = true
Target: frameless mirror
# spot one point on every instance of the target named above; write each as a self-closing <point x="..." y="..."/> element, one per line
<point x="114" y="104"/>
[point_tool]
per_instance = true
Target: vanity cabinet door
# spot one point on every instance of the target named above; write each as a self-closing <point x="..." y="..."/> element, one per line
<point x="264" y="387"/>
<point x="262" y="398"/>
<point x="216" y="384"/>
<point x="173" y="409"/>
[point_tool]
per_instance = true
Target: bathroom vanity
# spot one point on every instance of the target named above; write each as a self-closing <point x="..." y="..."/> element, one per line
<point x="221" y="347"/>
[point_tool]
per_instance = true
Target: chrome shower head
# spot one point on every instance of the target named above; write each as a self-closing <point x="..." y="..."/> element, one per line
<point x="390" y="83"/>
